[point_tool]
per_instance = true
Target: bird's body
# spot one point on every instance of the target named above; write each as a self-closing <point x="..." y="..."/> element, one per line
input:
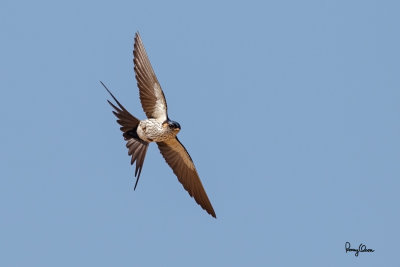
<point x="157" y="128"/>
<point x="151" y="130"/>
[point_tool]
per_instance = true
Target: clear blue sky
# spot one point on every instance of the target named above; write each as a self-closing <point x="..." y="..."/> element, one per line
<point x="289" y="109"/>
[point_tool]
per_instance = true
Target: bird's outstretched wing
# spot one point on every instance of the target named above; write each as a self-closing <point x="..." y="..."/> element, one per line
<point x="137" y="148"/>
<point x="150" y="92"/>
<point x="181" y="163"/>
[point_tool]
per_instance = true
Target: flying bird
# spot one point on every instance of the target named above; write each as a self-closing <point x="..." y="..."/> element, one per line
<point x="157" y="128"/>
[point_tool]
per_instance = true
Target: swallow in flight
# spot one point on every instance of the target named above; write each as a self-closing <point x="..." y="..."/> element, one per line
<point x="157" y="128"/>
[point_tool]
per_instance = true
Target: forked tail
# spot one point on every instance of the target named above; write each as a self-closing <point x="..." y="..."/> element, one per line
<point x="137" y="148"/>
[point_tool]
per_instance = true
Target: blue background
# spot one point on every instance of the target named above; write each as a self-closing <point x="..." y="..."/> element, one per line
<point x="290" y="110"/>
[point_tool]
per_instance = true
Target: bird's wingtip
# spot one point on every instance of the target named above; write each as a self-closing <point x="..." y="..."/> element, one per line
<point x="213" y="214"/>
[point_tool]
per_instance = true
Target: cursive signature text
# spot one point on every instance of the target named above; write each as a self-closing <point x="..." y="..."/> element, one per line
<point x="361" y="248"/>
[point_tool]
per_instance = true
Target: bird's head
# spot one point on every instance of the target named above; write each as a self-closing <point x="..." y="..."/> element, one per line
<point x="173" y="125"/>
